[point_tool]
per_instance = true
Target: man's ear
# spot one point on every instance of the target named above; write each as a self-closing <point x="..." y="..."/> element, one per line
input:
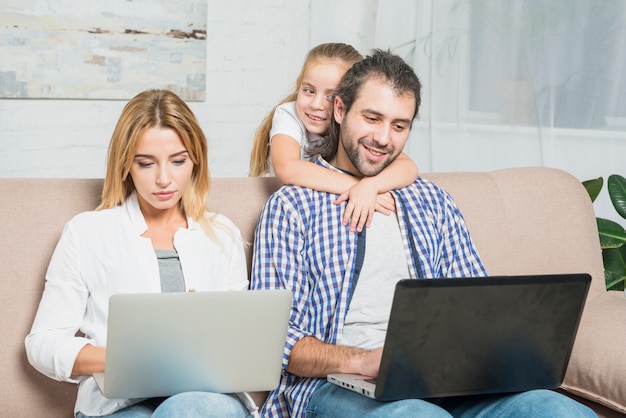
<point x="339" y="109"/>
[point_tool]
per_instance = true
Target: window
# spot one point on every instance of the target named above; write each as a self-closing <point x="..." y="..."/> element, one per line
<point x="559" y="63"/>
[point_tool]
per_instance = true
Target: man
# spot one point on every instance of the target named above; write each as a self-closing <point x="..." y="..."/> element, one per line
<point x="301" y="245"/>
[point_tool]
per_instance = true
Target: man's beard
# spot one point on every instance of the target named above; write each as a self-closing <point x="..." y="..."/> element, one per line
<point x="363" y="166"/>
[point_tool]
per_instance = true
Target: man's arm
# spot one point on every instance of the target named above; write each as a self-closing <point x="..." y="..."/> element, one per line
<point x="312" y="358"/>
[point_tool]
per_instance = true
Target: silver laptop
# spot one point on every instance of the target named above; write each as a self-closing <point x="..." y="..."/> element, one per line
<point x="160" y="344"/>
<point x="451" y="337"/>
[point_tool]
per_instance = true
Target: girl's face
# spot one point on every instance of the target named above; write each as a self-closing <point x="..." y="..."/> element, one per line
<point x="161" y="170"/>
<point x="315" y="95"/>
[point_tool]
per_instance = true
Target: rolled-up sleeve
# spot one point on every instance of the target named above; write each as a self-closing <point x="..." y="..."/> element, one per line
<point x="52" y="344"/>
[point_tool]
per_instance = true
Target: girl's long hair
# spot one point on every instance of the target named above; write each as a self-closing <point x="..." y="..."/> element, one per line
<point x="328" y="52"/>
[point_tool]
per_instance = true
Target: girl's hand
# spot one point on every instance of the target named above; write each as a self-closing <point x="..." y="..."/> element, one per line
<point x="362" y="202"/>
<point x="385" y="203"/>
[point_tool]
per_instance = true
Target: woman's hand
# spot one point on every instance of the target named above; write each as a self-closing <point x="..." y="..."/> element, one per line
<point x="90" y="360"/>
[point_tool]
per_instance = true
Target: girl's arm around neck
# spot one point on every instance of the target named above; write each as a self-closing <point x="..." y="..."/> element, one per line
<point x="400" y="173"/>
<point x="290" y="169"/>
<point x="364" y="197"/>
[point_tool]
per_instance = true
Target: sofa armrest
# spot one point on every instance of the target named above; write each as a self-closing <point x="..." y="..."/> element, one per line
<point x="597" y="367"/>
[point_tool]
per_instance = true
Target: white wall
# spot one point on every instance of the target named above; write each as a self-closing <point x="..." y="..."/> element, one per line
<point x="255" y="50"/>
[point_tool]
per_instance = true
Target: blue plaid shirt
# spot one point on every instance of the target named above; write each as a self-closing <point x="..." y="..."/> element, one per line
<point x="301" y="245"/>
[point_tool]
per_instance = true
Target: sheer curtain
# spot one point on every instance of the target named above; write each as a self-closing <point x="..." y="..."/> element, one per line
<point x="514" y="83"/>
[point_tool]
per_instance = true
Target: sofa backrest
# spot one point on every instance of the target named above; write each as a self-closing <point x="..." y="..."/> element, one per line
<point x="529" y="221"/>
<point x="523" y="221"/>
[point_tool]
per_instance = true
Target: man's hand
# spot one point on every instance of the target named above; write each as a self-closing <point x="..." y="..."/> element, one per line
<point x="370" y="362"/>
<point x="313" y="358"/>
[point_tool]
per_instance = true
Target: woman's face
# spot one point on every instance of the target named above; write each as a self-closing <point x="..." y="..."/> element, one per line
<point x="161" y="170"/>
<point x="315" y="95"/>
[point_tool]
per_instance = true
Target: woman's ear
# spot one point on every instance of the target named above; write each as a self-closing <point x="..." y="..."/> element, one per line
<point x="338" y="109"/>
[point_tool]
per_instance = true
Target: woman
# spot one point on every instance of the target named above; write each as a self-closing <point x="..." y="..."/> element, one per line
<point x="151" y="233"/>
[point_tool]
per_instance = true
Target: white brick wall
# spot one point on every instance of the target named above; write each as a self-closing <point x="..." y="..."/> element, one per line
<point x="254" y="52"/>
<point x="255" y="49"/>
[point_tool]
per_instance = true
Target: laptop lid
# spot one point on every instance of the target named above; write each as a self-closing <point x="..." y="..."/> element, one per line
<point x="160" y="344"/>
<point x="451" y="337"/>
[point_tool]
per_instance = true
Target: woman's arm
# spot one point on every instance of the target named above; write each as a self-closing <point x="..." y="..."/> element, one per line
<point x="52" y="344"/>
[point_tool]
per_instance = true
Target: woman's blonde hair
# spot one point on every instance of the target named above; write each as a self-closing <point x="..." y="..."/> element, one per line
<point x="164" y="110"/>
<point x="323" y="53"/>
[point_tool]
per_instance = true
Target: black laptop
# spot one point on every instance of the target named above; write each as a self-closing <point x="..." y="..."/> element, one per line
<point x="452" y="337"/>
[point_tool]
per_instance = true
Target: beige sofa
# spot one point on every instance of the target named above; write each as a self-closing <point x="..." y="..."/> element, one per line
<point x="524" y="221"/>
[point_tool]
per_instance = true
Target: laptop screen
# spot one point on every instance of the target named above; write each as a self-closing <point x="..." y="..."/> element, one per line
<point x="450" y="337"/>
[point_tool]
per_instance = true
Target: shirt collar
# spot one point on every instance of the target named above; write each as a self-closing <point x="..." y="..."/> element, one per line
<point x="320" y="161"/>
<point x="137" y="220"/>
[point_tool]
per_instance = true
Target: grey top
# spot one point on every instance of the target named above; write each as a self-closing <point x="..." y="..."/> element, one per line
<point x="171" y="273"/>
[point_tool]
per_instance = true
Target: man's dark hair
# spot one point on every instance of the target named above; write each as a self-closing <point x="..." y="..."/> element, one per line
<point x="383" y="65"/>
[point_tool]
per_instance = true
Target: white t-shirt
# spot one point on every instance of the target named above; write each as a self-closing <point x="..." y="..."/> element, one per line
<point x="287" y="122"/>
<point x="384" y="264"/>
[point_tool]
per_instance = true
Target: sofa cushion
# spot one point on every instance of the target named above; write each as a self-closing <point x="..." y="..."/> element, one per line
<point x="598" y="364"/>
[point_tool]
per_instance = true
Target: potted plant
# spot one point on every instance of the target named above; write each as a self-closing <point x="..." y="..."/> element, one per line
<point x="612" y="234"/>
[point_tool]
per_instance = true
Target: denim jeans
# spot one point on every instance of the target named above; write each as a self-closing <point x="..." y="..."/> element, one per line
<point x="185" y="405"/>
<point x="330" y="400"/>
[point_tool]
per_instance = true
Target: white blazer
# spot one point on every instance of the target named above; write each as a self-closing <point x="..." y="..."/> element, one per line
<point x="102" y="253"/>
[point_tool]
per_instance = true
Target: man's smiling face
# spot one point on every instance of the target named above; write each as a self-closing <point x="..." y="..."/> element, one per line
<point x="375" y="130"/>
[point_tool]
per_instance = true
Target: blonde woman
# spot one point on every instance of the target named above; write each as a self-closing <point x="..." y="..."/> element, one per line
<point x="151" y="233"/>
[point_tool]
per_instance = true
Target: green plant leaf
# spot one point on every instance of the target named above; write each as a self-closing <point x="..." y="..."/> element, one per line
<point x="593" y="187"/>
<point x="614" y="267"/>
<point x="617" y="190"/>
<point x="612" y="234"/>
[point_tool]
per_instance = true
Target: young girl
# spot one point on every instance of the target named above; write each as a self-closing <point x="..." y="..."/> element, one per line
<point x="151" y="233"/>
<point x="300" y="122"/>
